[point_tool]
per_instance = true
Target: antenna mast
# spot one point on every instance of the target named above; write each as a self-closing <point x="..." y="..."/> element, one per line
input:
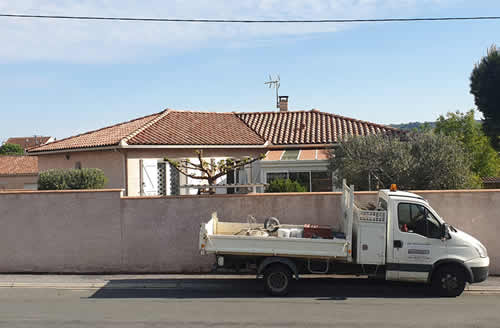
<point x="276" y="84"/>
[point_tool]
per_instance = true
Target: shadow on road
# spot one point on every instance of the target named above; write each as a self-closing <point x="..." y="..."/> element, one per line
<point x="318" y="288"/>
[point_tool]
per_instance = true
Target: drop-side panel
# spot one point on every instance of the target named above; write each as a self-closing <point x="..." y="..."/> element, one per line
<point x="275" y="246"/>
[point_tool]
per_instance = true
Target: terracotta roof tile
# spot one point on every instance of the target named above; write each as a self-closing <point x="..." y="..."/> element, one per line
<point x="107" y="136"/>
<point x="197" y="128"/>
<point x="308" y="127"/>
<point x="172" y="127"/>
<point x="28" y="142"/>
<point x="491" y="180"/>
<point x="18" y="165"/>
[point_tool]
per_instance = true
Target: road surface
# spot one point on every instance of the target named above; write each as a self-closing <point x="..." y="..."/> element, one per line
<point x="241" y="303"/>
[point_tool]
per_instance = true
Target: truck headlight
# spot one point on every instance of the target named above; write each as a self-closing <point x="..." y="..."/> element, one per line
<point x="481" y="250"/>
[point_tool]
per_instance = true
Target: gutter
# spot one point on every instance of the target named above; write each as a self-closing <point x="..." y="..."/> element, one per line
<point x="124" y="145"/>
<point x="72" y="150"/>
<point x="192" y="146"/>
<point x="302" y="146"/>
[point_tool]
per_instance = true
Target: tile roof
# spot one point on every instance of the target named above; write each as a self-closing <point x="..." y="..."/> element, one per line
<point x="108" y="136"/>
<point x="308" y="127"/>
<point x="28" y="142"/>
<point x="174" y="127"/>
<point x="18" y="165"/>
<point x="491" y="180"/>
<point x="197" y="128"/>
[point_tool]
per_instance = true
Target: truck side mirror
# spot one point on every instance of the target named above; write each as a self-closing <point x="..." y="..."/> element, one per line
<point x="445" y="231"/>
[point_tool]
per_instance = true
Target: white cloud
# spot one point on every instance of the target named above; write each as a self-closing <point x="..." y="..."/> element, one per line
<point x="98" y="41"/>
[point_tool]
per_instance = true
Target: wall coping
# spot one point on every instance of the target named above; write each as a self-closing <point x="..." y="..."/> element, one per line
<point x="454" y="191"/>
<point x="304" y="194"/>
<point x="294" y="194"/>
<point x="287" y="194"/>
<point x="22" y="191"/>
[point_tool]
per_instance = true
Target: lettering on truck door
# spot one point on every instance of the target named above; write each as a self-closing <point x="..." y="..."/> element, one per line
<point x="416" y="242"/>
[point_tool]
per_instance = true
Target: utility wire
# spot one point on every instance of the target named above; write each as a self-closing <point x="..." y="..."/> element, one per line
<point x="246" y="21"/>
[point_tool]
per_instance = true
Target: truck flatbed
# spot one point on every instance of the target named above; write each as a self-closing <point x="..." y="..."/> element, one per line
<point x="223" y="238"/>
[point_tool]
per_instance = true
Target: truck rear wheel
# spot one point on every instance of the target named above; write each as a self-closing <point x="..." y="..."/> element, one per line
<point x="449" y="281"/>
<point x="277" y="280"/>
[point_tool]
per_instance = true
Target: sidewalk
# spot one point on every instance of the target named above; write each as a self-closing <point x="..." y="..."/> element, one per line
<point x="171" y="281"/>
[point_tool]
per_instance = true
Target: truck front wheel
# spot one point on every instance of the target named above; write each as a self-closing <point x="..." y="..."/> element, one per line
<point x="277" y="279"/>
<point x="449" y="281"/>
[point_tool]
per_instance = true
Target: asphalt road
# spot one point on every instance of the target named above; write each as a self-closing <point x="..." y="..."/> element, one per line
<point x="241" y="303"/>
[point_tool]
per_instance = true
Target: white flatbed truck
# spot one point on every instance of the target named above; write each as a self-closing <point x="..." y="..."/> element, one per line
<point x="401" y="239"/>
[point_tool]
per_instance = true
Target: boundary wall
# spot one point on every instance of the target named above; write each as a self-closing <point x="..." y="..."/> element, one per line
<point x="99" y="231"/>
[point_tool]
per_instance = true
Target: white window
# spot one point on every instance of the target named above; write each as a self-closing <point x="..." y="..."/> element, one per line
<point x="31" y="186"/>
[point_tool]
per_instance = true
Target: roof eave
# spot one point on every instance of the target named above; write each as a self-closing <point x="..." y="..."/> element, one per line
<point x="70" y="150"/>
<point x="302" y="146"/>
<point x="191" y="146"/>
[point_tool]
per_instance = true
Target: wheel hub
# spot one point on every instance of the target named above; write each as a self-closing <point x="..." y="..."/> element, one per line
<point x="449" y="281"/>
<point x="278" y="281"/>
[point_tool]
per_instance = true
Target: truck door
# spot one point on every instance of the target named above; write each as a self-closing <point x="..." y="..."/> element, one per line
<point x="416" y="242"/>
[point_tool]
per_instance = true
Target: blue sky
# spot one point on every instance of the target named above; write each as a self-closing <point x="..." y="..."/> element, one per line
<point x="61" y="78"/>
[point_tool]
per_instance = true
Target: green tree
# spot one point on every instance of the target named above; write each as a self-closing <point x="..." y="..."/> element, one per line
<point x="415" y="161"/>
<point x="485" y="161"/>
<point x="485" y="86"/>
<point x="11" y="149"/>
<point x="211" y="170"/>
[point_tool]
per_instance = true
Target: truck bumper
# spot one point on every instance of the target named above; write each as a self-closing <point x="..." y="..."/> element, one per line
<point x="479" y="268"/>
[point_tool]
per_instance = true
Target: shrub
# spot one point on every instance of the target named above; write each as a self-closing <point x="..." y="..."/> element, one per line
<point x="11" y="149"/>
<point x="60" y="179"/>
<point x="285" y="185"/>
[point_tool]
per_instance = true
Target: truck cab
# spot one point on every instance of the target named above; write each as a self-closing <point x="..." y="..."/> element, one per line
<point x="422" y="247"/>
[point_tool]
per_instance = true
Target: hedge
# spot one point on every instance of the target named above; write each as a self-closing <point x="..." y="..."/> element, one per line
<point x="61" y="179"/>
<point x="285" y="185"/>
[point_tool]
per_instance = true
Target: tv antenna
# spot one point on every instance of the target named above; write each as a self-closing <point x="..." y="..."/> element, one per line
<point x="276" y="85"/>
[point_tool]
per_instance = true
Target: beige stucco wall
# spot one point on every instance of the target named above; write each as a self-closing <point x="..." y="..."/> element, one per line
<point x="86" y="231"/>
<point x="110" y="161"/>
<point x="17" y="182"/>
<point x="69" y="231"/>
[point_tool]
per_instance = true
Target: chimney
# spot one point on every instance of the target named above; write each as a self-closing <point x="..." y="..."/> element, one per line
<point x="283" y="103"/>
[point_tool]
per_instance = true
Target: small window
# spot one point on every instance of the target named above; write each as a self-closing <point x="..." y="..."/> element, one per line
<point x="230" y="179"/>
<point x="414" y="218"/>
<point x="78" y="165"/>
<point x="30" y="186"/>
<point x="290" y="155"/>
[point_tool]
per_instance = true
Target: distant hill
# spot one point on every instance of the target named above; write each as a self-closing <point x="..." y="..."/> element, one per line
<point x="417" y="125"/>
<point x="413" y="125"/>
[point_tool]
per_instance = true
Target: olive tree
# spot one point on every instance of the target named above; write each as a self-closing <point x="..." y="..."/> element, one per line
<point x="413" y="161"/>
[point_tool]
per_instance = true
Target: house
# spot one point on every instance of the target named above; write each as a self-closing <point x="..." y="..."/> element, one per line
<point x="491" y="183"/>
<point x="296" y="145"/>
<point x="18" y="172"/>
<point x="30" y="142"/>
